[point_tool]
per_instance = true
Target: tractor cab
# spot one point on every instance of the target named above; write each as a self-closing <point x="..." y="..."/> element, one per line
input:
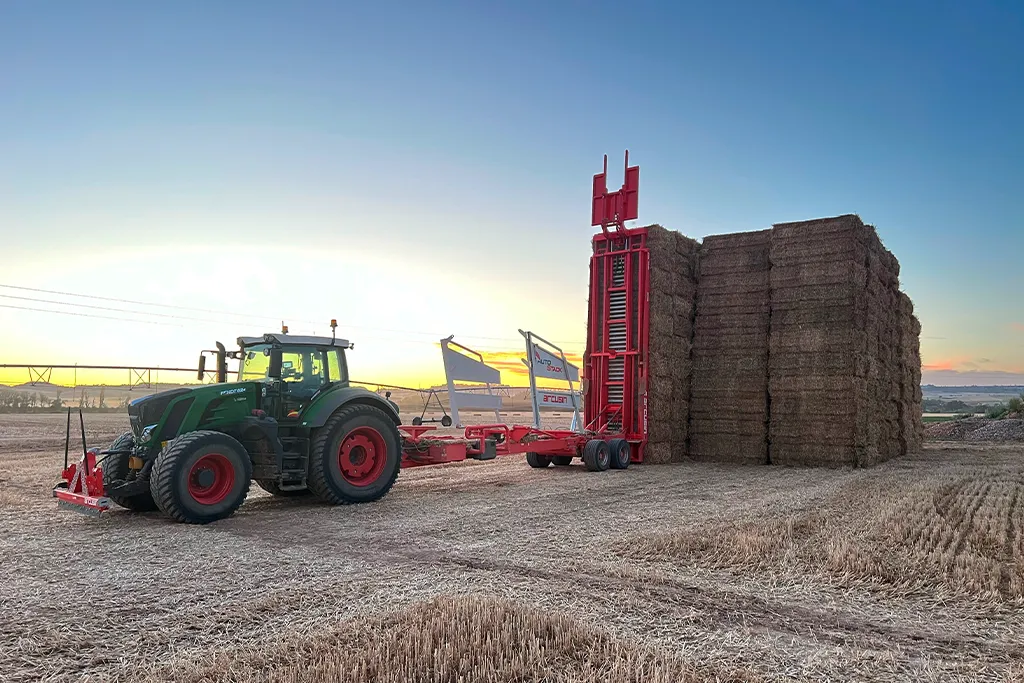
<point x="292" y="370"/>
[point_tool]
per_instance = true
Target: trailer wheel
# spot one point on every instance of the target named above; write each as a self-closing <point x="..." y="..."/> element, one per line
<point x="417" y="421"/>
<point x="446" y="421"/>
<point x="356" y="456"/>
<point x="274" y="489"/>
<point x="621" y="454"/>
<point x="562" y="460"/>
<point x="538" y="461"/>
<point x="115" y="469"/>
<point x="201" y="477"/>
<point x="596" y="455"/>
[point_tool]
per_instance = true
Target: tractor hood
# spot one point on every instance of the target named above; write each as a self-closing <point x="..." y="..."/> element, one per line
<point x="147" y="410"/>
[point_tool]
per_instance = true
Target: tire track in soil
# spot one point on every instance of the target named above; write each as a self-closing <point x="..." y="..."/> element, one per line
<point x="1006" y="571"/>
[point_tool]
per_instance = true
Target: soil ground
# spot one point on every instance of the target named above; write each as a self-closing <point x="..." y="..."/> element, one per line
<point x="128" y="596"/>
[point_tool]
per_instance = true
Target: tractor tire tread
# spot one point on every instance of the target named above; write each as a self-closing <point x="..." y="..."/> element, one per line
<point x="162" y="476"/>
<point x="317" y="480"/>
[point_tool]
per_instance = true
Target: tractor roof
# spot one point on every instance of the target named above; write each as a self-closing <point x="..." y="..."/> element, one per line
<point x="293" y="340"/>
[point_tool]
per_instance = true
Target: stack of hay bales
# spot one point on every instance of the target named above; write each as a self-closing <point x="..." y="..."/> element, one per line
<point x="834" y="368"/>
<point x="911" y="422"/>
<point x="673" y="285"/>
<point x="728" y="408"/>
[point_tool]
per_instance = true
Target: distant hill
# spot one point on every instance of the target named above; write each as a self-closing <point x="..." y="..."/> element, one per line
<point x="1011" y="389"/>
<point x="39" y="386"/>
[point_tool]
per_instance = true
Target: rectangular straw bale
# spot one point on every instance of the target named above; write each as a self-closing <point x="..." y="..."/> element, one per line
<point x="797" y="361"/>
<point x="836" y="227"/>
<point x="837" y="293"/>
<point x="818" y="273"/>
<point x="736" y="240"/>
<point x="732" y="424"/>
<point x="813" y="454"/>
<point x="731" y="448"/>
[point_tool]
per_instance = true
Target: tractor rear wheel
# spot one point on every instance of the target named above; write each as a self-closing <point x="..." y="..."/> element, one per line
<point x="538" y="461"/>
<point x="115" y="469"/>
<point x="596" y="455"/>
<point x="274" y="489"/>
<point x="356" y="456"/>
<point x="621" y="454"/>
<point x="562" y="460"/>
<point x="201" y="477"/>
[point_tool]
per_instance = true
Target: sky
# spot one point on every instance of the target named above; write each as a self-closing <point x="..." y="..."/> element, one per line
<point x="417" y="172"/>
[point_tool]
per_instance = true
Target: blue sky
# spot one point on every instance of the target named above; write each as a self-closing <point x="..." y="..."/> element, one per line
<point x="427" y="169"/>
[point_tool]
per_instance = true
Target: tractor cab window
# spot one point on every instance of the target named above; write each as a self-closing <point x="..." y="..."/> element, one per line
<point x="337" y="370"/>
<point x="303" y="371"/>
<point x="255" y="364"/>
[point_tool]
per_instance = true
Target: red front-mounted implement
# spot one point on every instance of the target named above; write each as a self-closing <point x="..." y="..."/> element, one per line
<point x="81" y="485"/>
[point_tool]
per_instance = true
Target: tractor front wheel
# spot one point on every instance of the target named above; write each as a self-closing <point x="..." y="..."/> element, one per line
<point x="201" y="477"/>
<point x="356" y="456"/>
<point x="115" y="470"/>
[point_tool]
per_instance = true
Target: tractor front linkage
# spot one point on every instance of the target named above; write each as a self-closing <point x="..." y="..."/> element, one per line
<point x="81" y="485"/>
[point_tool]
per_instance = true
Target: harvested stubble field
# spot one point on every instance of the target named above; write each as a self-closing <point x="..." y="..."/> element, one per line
<point x="913" y="570"/>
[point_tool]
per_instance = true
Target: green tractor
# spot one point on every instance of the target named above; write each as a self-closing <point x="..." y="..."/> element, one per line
<point x="290" y="423"/>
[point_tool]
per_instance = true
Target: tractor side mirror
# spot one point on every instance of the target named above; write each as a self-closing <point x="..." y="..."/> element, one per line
<point x="274" y="371"/>
<point x="202" y="366"/>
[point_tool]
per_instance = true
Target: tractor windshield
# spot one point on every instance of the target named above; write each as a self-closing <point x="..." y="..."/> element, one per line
<point x="255" y="363"/>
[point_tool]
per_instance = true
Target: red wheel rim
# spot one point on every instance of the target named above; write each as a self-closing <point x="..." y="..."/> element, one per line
<point x="362" y="456"/>
<point x="211" y="479"/>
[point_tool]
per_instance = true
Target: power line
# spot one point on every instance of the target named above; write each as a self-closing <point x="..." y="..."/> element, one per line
<point x="178" y="325"/>
<point x="88" y="315"/>
<point x="108" y="308"/>
<point x="217" y="312"/>
<point x="138" y="303"/>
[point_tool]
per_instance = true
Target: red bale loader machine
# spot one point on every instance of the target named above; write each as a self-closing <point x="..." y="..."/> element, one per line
<point x="292" y="423"/>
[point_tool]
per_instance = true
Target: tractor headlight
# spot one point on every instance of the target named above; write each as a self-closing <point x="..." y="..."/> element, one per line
<point x="147" y="433"/>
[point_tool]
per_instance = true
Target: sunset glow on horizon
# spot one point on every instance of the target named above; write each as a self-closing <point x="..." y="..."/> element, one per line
<point x="197" y="173"/>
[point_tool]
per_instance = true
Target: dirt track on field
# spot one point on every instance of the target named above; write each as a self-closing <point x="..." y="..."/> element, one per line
<point x="132" y="596"/>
